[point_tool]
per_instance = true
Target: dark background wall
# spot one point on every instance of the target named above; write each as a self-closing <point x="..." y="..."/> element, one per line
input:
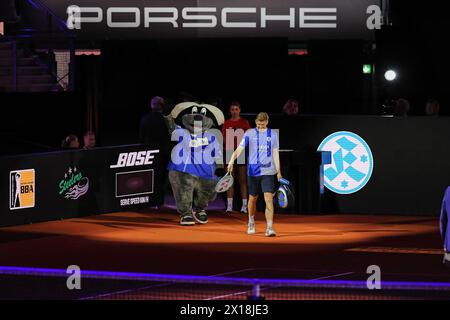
<point x="39" y="121"/>
<point x="257" y="72"/>
<point x="416" y="46"/>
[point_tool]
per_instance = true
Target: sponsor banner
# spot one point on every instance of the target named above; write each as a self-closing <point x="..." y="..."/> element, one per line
<point x="65" y="184"/>
<point x="134" y="187"/>
<point x="135" y="159"/>
<point x="22" y="188"/>
<point x="74" y="185"/>
<point x="293" y="19"/>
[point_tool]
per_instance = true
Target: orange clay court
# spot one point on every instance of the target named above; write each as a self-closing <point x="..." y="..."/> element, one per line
<point x="338" y="247"/>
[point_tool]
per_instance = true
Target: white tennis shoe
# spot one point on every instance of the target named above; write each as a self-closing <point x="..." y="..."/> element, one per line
<point x="270" y="232"/>
<point x="251" y="228"/>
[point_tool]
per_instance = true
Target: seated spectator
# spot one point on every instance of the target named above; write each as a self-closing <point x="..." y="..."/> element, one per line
<point x="432" y="108"/>
<point x="89" y="140"/>
<point x="401" y="108"/>
<point x="291" y="107"/>
<point x="70" y="142"/>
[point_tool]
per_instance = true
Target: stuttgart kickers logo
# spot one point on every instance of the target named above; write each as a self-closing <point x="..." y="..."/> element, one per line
<point x="352" y="164"/>
<point x="74" y="185"/>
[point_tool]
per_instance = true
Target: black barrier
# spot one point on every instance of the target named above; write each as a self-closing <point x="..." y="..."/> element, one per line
<point x="66" y="184"/>
<point x="304" y="171"/>
<point x="411" y="159"/>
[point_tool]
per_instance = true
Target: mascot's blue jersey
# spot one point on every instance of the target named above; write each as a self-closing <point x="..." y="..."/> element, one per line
<point x="195" y="154"/>
<point x="260" y="151"/>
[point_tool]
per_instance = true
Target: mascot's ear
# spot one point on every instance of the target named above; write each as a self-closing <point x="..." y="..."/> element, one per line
<point x="216" y="112"/>
<point x="179" y="108"/>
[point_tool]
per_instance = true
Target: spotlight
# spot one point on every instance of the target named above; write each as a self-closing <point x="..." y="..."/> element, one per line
<point x="390" y="75"/>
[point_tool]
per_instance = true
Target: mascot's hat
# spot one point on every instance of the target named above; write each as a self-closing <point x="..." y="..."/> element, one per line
<point x="211" y="111"/>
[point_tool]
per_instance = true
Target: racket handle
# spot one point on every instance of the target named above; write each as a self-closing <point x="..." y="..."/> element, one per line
<point x="284" y="181"/>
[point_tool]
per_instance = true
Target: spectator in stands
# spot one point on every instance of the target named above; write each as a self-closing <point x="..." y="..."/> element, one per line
<point x="70" y="142"/>
<point x="432" y="107"/>
<point x="89" y="140"/>
<point x="235" y="123"/>
<point x="154" y="132"/>
<point x="291" y="107"/>
<point x="401" y="108"/>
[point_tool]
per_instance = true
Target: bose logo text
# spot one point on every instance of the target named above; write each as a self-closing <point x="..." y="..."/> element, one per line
<point x="134" y="159"/>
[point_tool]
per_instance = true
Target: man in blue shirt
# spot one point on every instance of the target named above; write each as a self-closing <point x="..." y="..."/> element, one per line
<point x="263" y="165"/>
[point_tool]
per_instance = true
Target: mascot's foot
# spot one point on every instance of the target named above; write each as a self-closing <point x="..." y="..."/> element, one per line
<point x="201" y="217"/>
<point x="187" y="220"/>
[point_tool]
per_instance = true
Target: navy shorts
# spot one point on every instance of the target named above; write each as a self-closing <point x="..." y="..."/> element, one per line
<point x="266" y="184"/>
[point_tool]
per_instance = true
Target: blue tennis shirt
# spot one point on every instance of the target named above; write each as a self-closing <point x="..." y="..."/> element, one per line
<point x="260" y="146"/>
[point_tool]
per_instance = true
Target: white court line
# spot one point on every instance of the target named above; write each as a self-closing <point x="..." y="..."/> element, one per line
<point x="432" y="251"/>
<point x="230" y="295"/>
<point x="335" y="275"/>
<point x="249" y="291"/>
<point x="156" y="285"/>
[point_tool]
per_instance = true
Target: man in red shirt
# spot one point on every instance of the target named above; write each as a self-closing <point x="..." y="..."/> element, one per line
<point x="238" y="126"/>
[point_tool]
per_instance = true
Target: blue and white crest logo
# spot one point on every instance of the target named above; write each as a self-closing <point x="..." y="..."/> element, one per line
<point x="352" y="162"/>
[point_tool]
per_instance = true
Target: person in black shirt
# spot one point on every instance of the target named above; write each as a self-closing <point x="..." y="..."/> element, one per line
<point x="154" y="132"/>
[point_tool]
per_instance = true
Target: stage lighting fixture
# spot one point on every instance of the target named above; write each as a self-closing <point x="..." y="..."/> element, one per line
<point x="390" y="75"/>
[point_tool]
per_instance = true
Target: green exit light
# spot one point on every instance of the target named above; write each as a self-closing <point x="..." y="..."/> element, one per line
<point x="367" y="68"/>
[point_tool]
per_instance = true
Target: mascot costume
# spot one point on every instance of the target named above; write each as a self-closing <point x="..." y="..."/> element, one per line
<point x="193" y="160"/>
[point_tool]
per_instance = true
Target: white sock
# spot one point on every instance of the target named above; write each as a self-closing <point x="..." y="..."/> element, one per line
<point x="269" y="224"/>
<point x="251" y="219"/>
<point x="244" y="203"/>
<point x="230" y="202"/>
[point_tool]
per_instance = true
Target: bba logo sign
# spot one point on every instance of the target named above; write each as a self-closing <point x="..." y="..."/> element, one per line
<point x="21" y="189"/>
<point x="135" y="159"/>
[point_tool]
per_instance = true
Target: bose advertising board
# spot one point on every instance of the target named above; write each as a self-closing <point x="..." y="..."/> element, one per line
<point x="67" y="184"/>
<point x="296" y="20"/>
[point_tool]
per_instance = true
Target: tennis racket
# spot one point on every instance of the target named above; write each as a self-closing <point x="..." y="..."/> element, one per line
<point x="224" y="183"/>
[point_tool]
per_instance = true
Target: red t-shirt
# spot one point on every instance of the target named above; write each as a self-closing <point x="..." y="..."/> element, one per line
<point x="238" y="124"/>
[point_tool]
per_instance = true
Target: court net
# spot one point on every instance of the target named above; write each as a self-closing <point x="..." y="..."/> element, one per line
<point x="37" y="283"/>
